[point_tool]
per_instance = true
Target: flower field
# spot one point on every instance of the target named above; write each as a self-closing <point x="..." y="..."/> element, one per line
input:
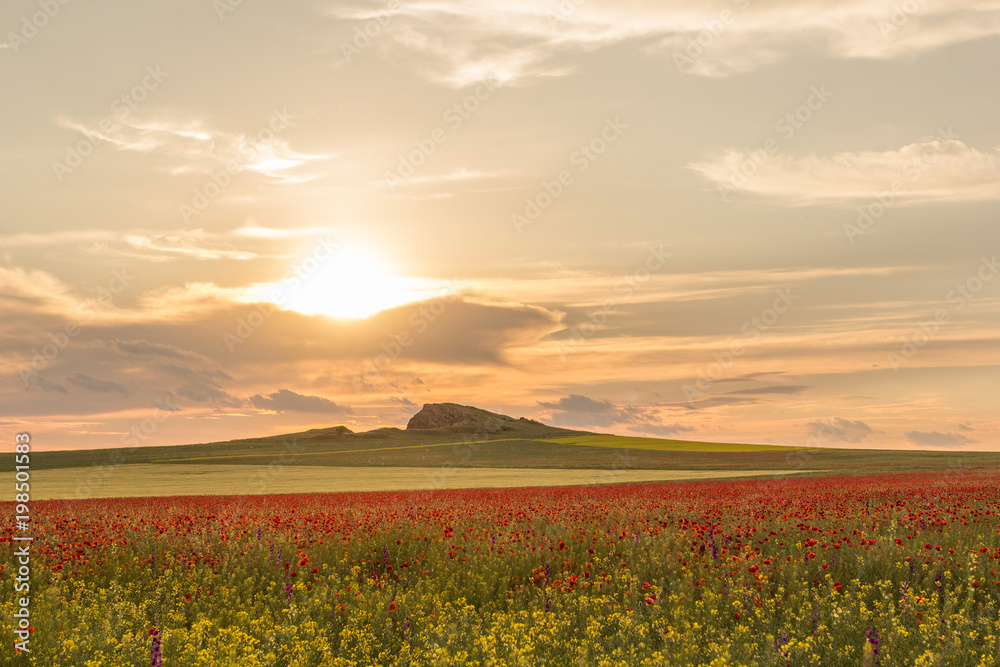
<point x="887" y="570"/>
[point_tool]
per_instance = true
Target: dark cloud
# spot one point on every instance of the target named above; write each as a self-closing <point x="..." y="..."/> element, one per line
<point x="579" y="403"/>
<point x="746" y="377"/>
<point x="147" y="349"/>
<point x="838" y="429"/>
<point x="94" y="384"/>
<point x="937" y="439"/>
<point x="204" y="392"/>
<point x="579" y="411"/>
<point x="45" y="384"/>
<point x="715" y="401"/>
<point x="285" y="400"/>
<point x="405" y="402"/>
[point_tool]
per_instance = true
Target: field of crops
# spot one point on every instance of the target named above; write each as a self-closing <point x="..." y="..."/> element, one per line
<point x="887" y="570"/>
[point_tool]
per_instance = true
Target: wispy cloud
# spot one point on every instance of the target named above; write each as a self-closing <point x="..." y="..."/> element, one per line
<point x="193" y="146"/>
<point x="939" y="170"/>
<point x="840" y="429"/>
<point x="577" y="410"/>
<point x="94" y="384"/>
<point x="287" y="400"/>
<point x="186" y="244"/>
<point x="938" y="439"/>
<point x="778" y="390"/>
<point x="458" y="43"/>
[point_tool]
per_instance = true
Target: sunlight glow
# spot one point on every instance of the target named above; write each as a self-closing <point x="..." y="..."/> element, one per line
<point x="350" y="284"/>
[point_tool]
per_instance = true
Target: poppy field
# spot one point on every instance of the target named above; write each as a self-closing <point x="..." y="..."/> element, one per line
<point x="850" y="570"/>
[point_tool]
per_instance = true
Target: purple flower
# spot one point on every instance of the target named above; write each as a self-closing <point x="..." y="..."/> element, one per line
<point x="872" y="636"/>
<point x="155" y="652"/>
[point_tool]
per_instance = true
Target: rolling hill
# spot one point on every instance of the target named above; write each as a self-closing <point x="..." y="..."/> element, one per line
<point x="451" y="435"/>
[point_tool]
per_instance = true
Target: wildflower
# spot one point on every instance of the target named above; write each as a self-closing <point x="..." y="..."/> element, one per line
<point x="873" y="640"/>
<point x="155" y="652"/>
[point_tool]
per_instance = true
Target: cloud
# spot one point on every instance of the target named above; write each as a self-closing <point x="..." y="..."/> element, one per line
<point x="938" y="439"/>
<point x="458" y="43"/>
<point x="403" y="401"/>
<point x="94" y="384"/>
<point x="714" y="402"/>
<point x="195" y="147"/>
<point x="749" y="376"/>
<point x="45" y="384"/>
<point x="285" y="400"/>
<point x="146" y="349"/>
<point x="185" y="244"/>
<point x="579" y="411"/>
<point x="785" y="390"/>
<point x="579" y="403"/>
<point x="936" y="170"/>
<point x="842" y="430"/>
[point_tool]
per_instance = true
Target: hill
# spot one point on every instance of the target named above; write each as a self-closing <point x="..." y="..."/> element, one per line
<point x="449" y="435"/>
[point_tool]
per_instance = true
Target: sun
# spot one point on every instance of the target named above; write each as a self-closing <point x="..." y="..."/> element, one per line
<point x="350" y="284"/>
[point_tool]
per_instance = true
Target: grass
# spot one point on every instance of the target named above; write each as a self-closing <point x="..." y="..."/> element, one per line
<point x="164" y="479"/>
<point x="663" y="445"/>
<point x="525" y="445"/>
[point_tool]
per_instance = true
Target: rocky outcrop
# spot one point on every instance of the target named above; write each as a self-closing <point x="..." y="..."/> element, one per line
<point x="439" y="415"/>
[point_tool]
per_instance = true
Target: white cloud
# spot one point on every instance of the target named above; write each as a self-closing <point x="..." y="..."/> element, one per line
<point x="937" y="170"/>
<point x="195" y="147"/>
<point x="185" y="244"/>
<point x="458" y="43"/>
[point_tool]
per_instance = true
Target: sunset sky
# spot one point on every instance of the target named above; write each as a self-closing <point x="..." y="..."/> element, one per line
<point x="745" y="221"/>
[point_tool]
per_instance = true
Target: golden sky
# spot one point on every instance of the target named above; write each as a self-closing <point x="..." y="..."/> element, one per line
<point x="735" y="220"/>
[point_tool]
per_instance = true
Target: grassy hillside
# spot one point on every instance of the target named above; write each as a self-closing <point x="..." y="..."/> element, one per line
<point x="548" y="448"/>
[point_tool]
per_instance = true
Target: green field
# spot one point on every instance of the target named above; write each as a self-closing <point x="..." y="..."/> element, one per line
<point x="663" y="445"/>
<point x="491" y="450"/>
<point x="398" y="448"/>
<point x="167" y="479"/>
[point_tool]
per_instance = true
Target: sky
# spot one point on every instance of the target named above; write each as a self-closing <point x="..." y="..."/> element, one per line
<point x="733" y="220"/>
